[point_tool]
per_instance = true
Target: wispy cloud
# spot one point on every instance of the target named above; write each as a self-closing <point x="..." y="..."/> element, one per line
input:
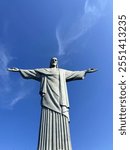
<point x="8" y="95"/>
<point x="19" y="96"/>
<point x="5" y="58"/>
<point x="87" y="18"/>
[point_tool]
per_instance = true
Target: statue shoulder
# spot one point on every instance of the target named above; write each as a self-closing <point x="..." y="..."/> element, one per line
<point x="62" y="70"/>
<point x="42" y="70"/>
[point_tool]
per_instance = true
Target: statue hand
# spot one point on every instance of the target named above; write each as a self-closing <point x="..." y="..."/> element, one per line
<point x="13" y="69"/>
<point x="91" y="70"/>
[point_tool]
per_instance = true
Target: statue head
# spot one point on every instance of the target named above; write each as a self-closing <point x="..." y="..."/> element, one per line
<point x="54" y="62"/>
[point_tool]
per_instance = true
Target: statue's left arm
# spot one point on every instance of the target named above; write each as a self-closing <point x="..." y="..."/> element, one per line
<point x="77" y="75"/>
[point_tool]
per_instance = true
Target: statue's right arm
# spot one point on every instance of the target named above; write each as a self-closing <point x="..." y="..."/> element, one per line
<point x="27" y="73"/>
<point x="13" y="69"/>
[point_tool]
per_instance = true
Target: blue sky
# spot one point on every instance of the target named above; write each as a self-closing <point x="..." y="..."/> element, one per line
<point x="79" y="33"/>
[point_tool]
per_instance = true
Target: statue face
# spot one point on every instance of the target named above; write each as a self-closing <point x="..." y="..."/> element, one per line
<point x="54" y="62"/>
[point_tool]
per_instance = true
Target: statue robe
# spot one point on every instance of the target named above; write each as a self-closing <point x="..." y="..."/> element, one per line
<point x="54" y="131"/>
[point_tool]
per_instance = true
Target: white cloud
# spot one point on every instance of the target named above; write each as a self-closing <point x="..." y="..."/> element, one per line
<point x="8" y="94"/>
<point x="22" y="91"/>
<point x="80" y="25"/>
<point x="17" y="98"/>
<point x="5" y="58"/>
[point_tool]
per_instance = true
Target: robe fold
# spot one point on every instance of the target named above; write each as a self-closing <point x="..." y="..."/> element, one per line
<point x="55" y="105"/>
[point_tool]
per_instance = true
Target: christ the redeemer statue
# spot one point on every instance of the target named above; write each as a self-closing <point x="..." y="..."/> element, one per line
<point x="54" y="132"/>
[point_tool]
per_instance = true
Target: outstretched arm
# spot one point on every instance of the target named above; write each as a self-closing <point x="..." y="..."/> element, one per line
<point x="77" y="75"/>
<point x="27" y="74"/>
<point x="13" y="69"/>
<point x="91" y="70"/>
